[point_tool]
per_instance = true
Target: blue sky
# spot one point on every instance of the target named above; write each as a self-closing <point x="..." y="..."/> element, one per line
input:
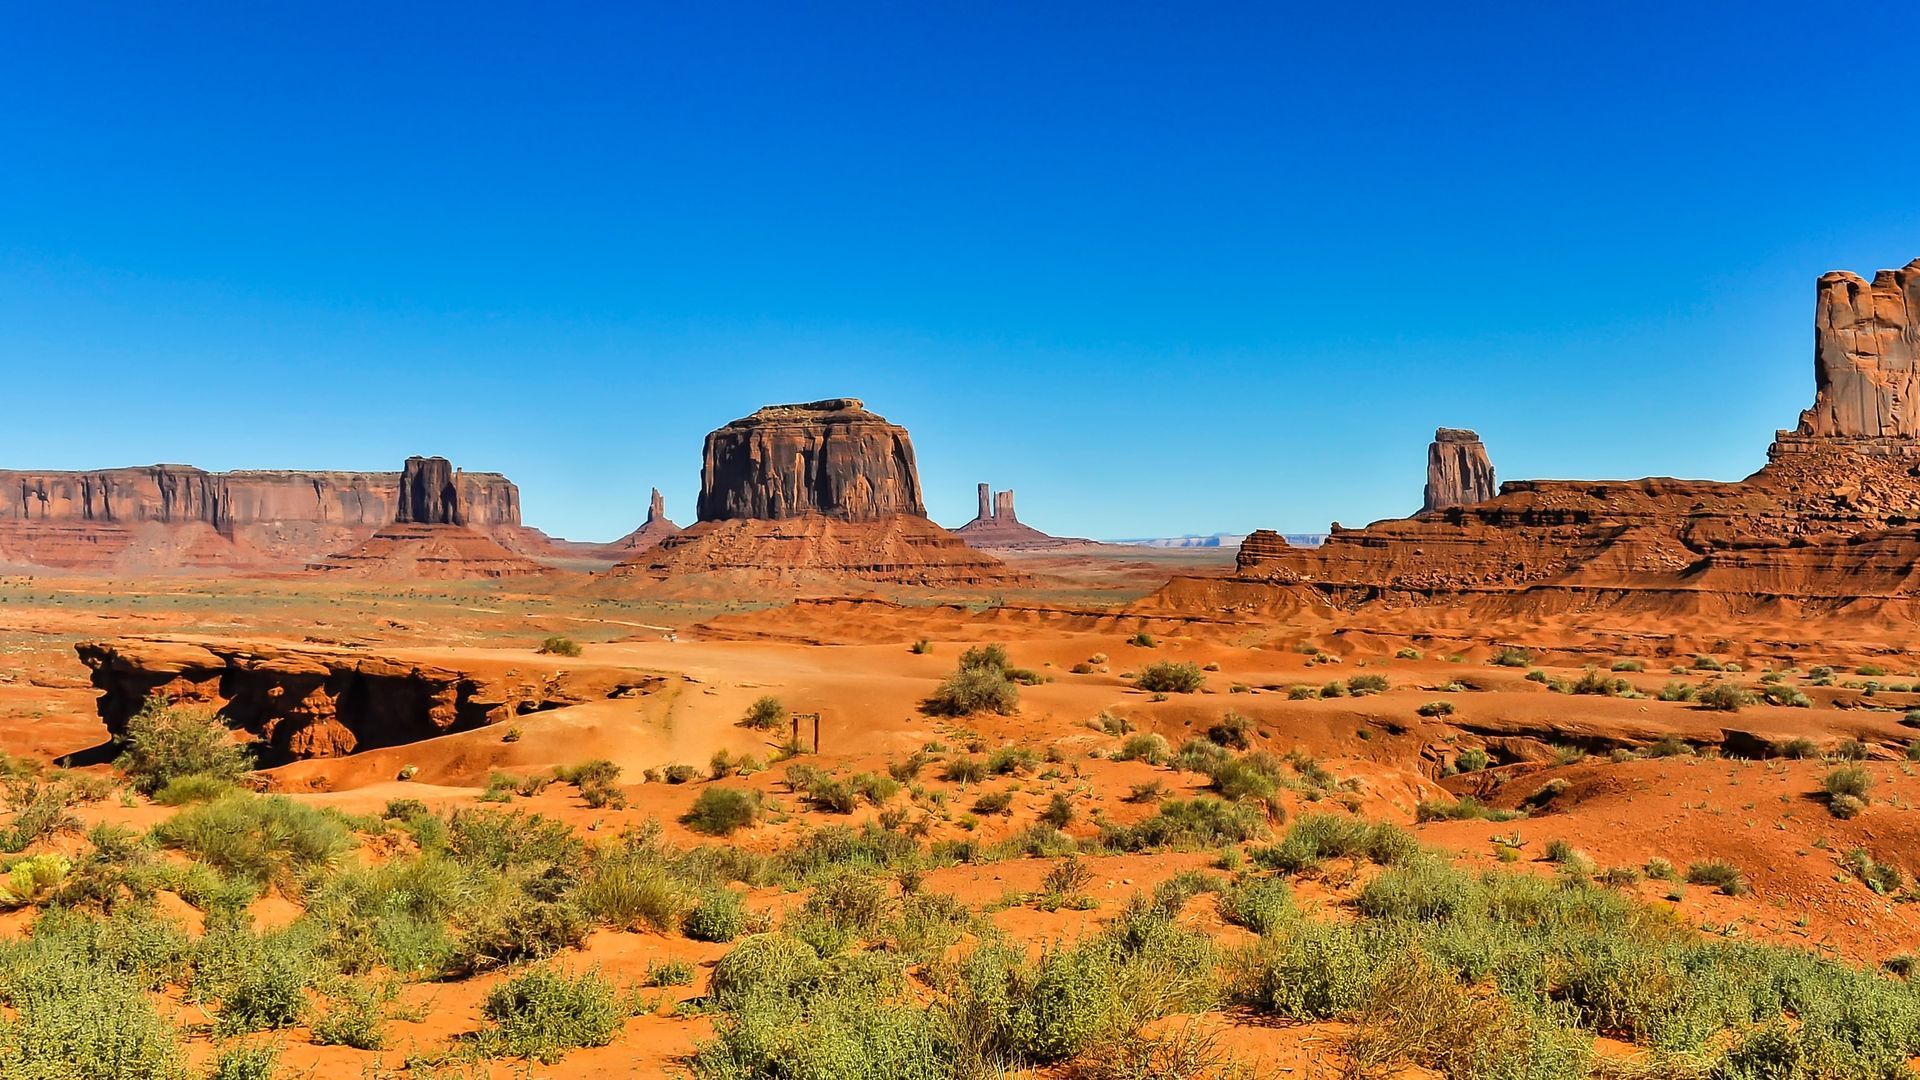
<point x="1160" y="268"/>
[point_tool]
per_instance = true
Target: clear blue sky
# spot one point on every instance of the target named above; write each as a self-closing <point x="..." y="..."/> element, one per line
<point x="1160" y="267"/>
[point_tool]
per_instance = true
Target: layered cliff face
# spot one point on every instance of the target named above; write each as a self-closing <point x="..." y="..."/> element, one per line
<point x="997" y="528"/>
<point x="1866" y="360"/>
<point x="1459" y="473"/>
<point x="309" y="701"/>
<point x="428" y="493"/>
<point x="821" y="490"/>
<point x="163" y="518"/>
<point x="1827" y="526"/>
<point x="429" y="537"/>
<point x="832" y="458"/>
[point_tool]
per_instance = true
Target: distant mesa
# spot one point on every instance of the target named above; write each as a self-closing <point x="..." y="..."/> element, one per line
<point x="1459" y="473"/>
<point x="429" y="537"/>
<point x="997" y="528"/>
<point x="179" y="519"/>
<point x="656" y="528"/>
<point x="1826" y="527"/>
<point x="823" y="488"/>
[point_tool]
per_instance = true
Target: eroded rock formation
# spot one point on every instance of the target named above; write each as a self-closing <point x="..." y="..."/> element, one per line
<point x="312" y="701"/>
<point x="998" y="528"/>
<point x="175" y="517"/>
<point x="428" y="537"/>
<point x="429" y="494"/>
<point x="1827" y="526"/>
<point x="1866" y="360"/>
<point x="824" y="489"/>
<point x="832" y="458"/>
<point x="656" y="528"/>
<point x="1459" y="473"/>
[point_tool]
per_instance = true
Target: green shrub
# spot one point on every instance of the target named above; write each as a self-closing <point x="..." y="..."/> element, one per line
<point x="719" y="915"/>
<point x="630" y="892"/>
<point x="765" y="714"/>
<point x="721" y="811"/>
<point x="1232" y="731"/>
<point x="1362" y="685"/>
<point x="1675" y="691"/>
<point x="1512" y="657"/>
<point x="1720" y="875"/>
<point x="77" y="1023"/>
<point x="1142" y="640"/>
<point x="1801" y="748"/>
<point x="1724" y="697"/>
<point x="993" y="802"/>
<point x="1629" y="665"/>
<point x="669" y="972"/>
<point x="1187" y="823"/>
<point x="1171" y="677"/>
<point x="1147" y="747"/>
<point x="1408" y="653"/>
<point x="196" y="788"/>
<point x="964" y="770"/>
<point x="597" y="782"/>
<point x="972" y="690"/>
<point x="1472" y="759"/>
<point x="1787" y="696"/>
<point x="268" y="995"/>
<point x="559" y="646"/>
<point x="163" y="743"/>
<point x="264" y="839"/>
<point x="1315" y="838"/>
<point x="1012" y="761"/>
<point x="545" y="1012"/>
<point x="247" y="1061"/>
<point x="1261" y="904"/>
<point x="1466" y="808"/>
<point x="1436" y="709"/>
<point x="355" y="1019"/>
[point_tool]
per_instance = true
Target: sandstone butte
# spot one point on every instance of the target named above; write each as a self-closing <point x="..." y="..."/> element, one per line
<point x="997" y="528"/>
<point x="429" y="536"/>
<point x="1459" y="473"/>
<point x="1827" y="527"/>
<point x="173" y="518"/>
<point x="822" y="489"/>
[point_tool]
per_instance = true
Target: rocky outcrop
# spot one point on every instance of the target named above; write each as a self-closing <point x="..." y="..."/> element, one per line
<point x="429" y="494"/>
<point x="656" y="528"/>
<point x="167" y="518"/>
<point x="824" y="490"/>
<point x="998" y="528"/>
<point x="1459" y="473"/>
<point x="1827" y="527"/>
<point x="304" y="702"/>
<point x="1866" y="360"/>
<point x="832" y="458"/>
<point x="428" y="537"/>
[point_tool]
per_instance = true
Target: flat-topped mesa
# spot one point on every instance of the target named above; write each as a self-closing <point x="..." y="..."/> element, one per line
<point x="832" y="458"/>
<point x="429" y="494"/>
<point x="1459" y="473"/>
<point x="172" y="518"/>
<point x="823" y="490"/>
<point x="1866" y="365"/>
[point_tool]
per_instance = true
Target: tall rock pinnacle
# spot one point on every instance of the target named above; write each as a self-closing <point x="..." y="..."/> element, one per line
<point x="1459" y="473"/>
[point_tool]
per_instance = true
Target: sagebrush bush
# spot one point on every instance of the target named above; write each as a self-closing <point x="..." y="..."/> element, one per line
<point x="721" y="811"/>
<point x="546" y="1011"/>
<point x="1724" y="697"/>
<point x="559" y="646"/>
<point x="1171" y="677"/>
<point x="164" y="742"/>
<point x="765" y="714"/>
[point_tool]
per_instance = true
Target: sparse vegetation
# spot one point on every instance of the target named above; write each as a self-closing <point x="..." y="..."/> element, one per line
<point x="164" y="743"/>
<point x="1171" y="677"/>
<point x="559" y="646"/>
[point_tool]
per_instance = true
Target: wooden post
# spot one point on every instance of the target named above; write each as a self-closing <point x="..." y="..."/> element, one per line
<point x="816" y="733"/>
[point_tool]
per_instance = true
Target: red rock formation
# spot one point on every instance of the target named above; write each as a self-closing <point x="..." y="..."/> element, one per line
<point x="1866" y="359"/>
<point x="306" y="701"/>
<point x="831" y="457"/>
<point x="1827" y="526"/>
<point x="176" y="517"/>
<point x="997" y="528"/>
<point x="428" y="538"/>
<point x="656" y="528"/>
<point x="1459" y="473"/>
<point x="825" y="489"/>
